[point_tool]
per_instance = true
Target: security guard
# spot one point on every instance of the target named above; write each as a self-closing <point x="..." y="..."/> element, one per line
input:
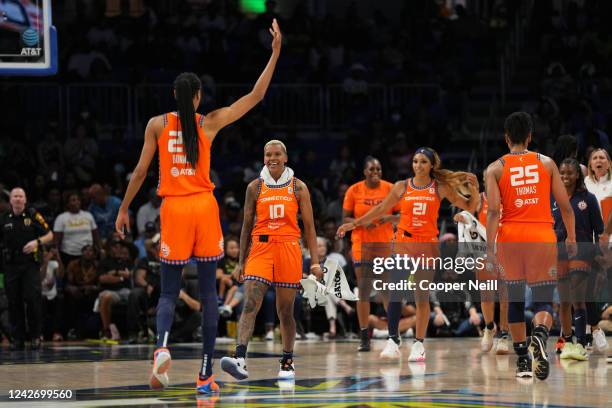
<point x="23" y="231"/>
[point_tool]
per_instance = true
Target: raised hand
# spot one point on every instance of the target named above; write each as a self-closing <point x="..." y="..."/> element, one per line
<point x="277" y="37"/>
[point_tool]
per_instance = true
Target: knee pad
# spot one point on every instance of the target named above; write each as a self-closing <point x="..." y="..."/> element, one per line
<point x="516" y="312"/>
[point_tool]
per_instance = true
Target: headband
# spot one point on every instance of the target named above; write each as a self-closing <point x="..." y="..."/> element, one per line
<point x="427" y="152"/>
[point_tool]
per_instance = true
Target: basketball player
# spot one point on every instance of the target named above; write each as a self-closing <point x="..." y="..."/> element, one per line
<point x="270" y="254"/>
<point x="360" y="198"/>
<point x="487" y="302"/>
<point x="190" y="225"/>
<point x="521" y="182"/>
<point x="573" y="273"/>
<point x="419" y="198"/>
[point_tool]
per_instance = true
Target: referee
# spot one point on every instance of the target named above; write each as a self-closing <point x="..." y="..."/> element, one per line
<point x="23" y="231"/>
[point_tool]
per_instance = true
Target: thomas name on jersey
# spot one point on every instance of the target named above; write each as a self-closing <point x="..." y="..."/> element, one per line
<point x="526" y="190"/>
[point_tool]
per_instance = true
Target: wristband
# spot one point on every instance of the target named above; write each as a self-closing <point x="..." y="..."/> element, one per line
<point x="315" y="266"/>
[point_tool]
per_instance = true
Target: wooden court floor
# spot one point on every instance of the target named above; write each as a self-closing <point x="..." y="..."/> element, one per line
<point x="456" y="374"/>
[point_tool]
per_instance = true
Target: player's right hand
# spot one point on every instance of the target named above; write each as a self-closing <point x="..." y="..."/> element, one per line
<point x="122" y="223"/>
<point x="238" y="273"/>
<point x="344" y="228"/>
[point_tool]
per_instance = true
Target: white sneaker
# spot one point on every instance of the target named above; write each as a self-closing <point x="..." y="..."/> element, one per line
<point x="487" y="340"/>
<point x="270" y="335"/>
<point x="380" y="334"/>
<point x="502" y="346"/>
<point x="391" y="351"/>
<point x="235" y="366"/>
<point x="286" y="371"/>
<point x="417" y="352"/>
<point x="225" y="311"/>
<point x="600" y="343"/>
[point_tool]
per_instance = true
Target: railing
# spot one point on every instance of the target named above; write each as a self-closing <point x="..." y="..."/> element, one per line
<point x="118" y="106"/>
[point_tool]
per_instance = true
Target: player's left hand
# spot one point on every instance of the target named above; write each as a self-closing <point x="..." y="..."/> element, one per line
<point x="344" y="228"/>
<point x="277" y="37"/>
<point x="316" y="270"/>
<point x="472" y="180"/>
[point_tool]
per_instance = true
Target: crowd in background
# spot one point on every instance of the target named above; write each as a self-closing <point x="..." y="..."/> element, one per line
<point x="81" y="172"/>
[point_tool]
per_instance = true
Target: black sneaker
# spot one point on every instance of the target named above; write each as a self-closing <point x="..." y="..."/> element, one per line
<point x="539" y="358"/>
<point x="523" y="367"/>
<point x="364" y="344"/>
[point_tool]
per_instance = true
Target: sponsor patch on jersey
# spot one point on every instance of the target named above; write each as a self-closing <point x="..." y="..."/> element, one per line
<point x="518" y="203"/>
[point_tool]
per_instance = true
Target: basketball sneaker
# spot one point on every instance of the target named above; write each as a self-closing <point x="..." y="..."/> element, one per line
<point x="235" y="366"/>
<point x="487" y="340"/>
<point x="566" y="350"/>
<point x="502" y="346"/>
<point x="391" y="351"/>
<point x="559" y="345"/>
<point x="207" y="386"/>
<point x="286" y="370"/>
<point x="600" y="343"/>
<point x="417" y="352"/>
<point x="537" y="352"/>
<point x="523" y="367"/>
<point x="578" y="352"/>
<point x="364" y="342"/>
<point x="161" y="365"/>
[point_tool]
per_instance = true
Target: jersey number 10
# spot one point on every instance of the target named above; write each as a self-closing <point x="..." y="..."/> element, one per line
<point x="524" y="175"/>
<point x="277" y="211"/>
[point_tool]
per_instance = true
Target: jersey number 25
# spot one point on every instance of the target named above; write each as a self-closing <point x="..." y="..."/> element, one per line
<point x="524" y="175"/>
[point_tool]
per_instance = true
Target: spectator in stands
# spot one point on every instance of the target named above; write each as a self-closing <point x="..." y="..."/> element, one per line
<point x="104" y="209"/>
<point x="52" y="270"/>
<point x="81" y="152"/>
<point x="144" y="296"/>
<point x="148" y="212"/>
<point x="114" y="274"/>
<point x="81" y="290"/>
<point x="225" y="268"/>
<point x="334" y="208"/>
<point x="50" y="155"/>
<point x="73" y="229"/>
<point x="149" y="232"/>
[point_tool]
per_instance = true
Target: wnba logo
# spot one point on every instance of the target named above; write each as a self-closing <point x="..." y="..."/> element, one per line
<point x="30" y="37"/>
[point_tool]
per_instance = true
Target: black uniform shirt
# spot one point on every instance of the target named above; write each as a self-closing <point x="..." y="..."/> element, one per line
<point x="17" y="230"/>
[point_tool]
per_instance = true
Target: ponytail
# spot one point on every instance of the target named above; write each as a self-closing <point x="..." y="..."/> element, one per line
<point x="186" y="87"/>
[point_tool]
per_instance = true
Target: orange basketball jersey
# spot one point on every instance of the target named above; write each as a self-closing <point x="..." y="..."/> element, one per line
<point x="525" y="189"/>
<point x="176" y="176"/>
<point x="360" y="199"/>
<point x="276" y="210"/>
<point x="419" y="208"/>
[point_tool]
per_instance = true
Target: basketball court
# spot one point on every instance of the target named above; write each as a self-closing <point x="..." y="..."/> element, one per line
<point x="456" y="374"/>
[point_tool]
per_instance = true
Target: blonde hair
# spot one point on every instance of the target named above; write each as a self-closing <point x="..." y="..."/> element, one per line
<point x="456" y="180"/>
<point x="276" y="142"/>
<point x="590" y="171"/>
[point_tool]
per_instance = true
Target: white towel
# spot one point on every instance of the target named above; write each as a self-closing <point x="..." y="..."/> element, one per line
<point x="269" y="180"/>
